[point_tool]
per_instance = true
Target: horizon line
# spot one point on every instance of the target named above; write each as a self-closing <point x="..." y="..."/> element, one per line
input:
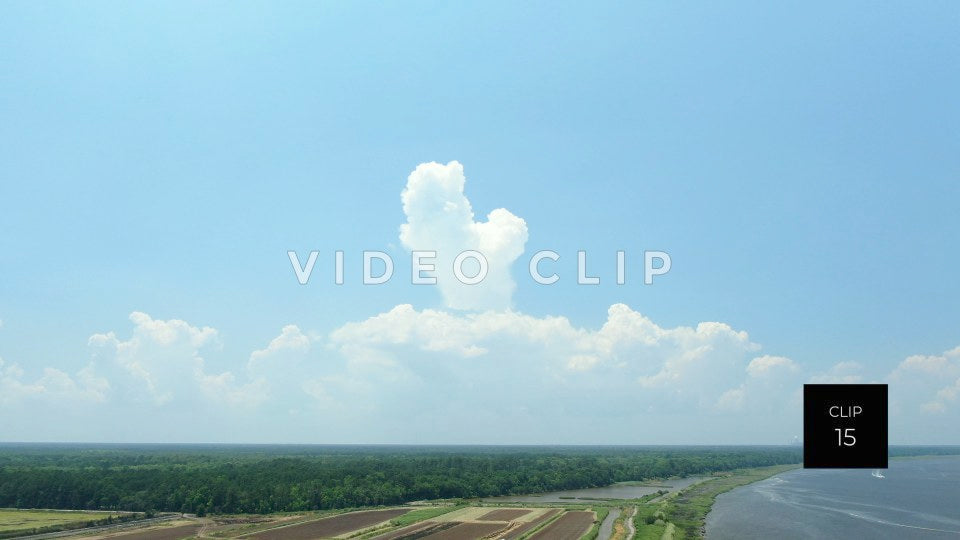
<point x="489" y="445"/>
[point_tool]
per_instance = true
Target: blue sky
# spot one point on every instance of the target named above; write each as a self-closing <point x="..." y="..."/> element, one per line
<point x="799" y="162"/>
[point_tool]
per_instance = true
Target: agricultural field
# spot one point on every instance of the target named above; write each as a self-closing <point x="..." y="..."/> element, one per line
<point x="571" y="526"/>
<point x="306" y="493"/>
<point x="160" y="533"/>
<point x="504" y="514"/>
<point x="331" y="526"/>
<point x="412" y="531"/>
<point x="524" y="528"/>
<point x="422" y="514"/>
<point x="471" y="522"/>
<point x="672" y="511"/>
<point x="467" y="531"/>
<point x="13" y="521"/>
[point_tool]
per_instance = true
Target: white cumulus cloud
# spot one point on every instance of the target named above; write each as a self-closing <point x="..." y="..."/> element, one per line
<point x="766" y="365"/>
<point x="440" y="218"/>
<point x="483" y="367"/>
<point x="926" y="383"/>
<point x="482" y="372"/>
<point x="163" y="363"/>
<point x="290" y="340"/>
<point x="54" y="386"/>
<point x="772" y="388"/>
<point x="429" y="375"/>
<point x="840" y="373"/>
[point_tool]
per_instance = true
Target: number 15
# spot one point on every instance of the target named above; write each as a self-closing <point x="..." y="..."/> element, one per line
<point x="845" y="437"/>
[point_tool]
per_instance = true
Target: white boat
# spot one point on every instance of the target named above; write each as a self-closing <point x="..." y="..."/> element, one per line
<point x="877" y="474"/>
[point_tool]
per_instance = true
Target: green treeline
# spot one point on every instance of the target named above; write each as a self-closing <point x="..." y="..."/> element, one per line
<point x="262" y="479"/>
<point x="273" y="479"/>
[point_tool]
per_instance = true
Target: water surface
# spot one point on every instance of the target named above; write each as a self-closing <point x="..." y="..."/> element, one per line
<point x="918" y="498"/>
<point x="606" y="528"/>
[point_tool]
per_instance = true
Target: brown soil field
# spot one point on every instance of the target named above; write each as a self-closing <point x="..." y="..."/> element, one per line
<point x="570" y="526"/>
<point x="517" y="532"/>
<point x="228" y="526"/>
<point x="466" y="531"/>
<point x="331" y="526"/>
<point x="504" y="514"/>
<point x="410" y="531"/>
<point x="169" y="533"/>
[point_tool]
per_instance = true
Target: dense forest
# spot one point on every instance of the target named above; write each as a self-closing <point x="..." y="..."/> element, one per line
<point x="261" y="479"/>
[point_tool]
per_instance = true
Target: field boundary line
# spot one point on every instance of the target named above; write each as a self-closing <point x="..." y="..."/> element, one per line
<point x="291" y="524"/>
<point x="360" y="532"/>
<point x="100" y="528"/>
<point x="537" y="529"/>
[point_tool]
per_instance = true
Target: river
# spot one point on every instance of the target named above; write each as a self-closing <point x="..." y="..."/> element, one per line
<point x="916" y="498"/>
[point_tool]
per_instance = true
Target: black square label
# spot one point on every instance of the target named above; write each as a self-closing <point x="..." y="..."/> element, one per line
<point x="845" y="426"/>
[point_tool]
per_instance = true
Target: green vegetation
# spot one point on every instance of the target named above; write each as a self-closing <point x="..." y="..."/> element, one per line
<point x="648" y="522"/>
<point x="619" y="524"/>
<point x="23" y="522"/>
<point x="423" y="514"/>
<point x="686" y="511"/>
<point x="267" y="479"/>
<point x="11" y="519"/>
<point x="602" y="514"/>
<point x="541" y="526"/>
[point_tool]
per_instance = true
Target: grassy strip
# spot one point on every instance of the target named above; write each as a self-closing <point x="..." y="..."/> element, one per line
<point x="620" y="529"/>
<point x="14" y="523"/>
<point x="409" y="518"/>
<point x="629" y="529"/>
<point x="537" y="529"/>
<point x="649" y="523"/>
<point x="689" y="508"/>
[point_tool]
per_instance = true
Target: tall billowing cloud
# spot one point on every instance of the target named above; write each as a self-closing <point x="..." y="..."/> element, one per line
<point x="440" y="218"/>
<point x="485" y="374"/>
